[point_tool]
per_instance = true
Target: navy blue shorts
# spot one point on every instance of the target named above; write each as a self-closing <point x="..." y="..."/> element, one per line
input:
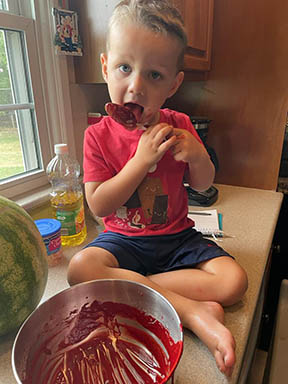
<point x="156" y="254"/>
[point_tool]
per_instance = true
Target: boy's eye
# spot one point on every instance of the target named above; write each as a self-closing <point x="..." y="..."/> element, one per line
<point x="125" y="68"/>
<point x="155" y="75"/>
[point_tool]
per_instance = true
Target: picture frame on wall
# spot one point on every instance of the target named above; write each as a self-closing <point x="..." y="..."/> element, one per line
<point x="67" y="39"/>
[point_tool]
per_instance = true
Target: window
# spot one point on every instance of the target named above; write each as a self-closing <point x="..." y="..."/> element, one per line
<point x="33" y="111"/>
<point x="4" y="5"/>
<point x="20" y="152"/>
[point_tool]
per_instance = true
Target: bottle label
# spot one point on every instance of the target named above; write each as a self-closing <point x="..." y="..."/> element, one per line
<point x="52" y="243"/>
<point x="72" y="222"/>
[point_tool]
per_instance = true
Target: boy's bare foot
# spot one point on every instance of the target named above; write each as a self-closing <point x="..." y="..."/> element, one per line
<point x="207" y="324"/>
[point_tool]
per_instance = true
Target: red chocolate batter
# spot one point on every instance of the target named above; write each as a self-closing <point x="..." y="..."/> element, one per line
<point x="105" y="343"/>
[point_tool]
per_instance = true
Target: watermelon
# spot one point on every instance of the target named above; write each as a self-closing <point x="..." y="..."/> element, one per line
<point x="23" y="266"/>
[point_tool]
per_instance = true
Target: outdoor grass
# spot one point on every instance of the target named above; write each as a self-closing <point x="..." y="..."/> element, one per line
<point x="11" y="162"/>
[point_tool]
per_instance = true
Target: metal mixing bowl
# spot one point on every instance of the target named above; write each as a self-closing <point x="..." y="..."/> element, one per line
<point x="58" y="308"/>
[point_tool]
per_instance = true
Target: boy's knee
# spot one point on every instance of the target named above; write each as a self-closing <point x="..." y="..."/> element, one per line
<point x="236" y="286"/>
<point x="76" y="268"/>
<point x="90" y="264"/>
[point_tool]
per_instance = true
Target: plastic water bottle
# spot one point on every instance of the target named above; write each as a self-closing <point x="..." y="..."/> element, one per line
<point x="67" y="196"/>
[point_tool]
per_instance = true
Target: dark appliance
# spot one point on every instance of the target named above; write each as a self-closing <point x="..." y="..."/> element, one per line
<point x="202" y="199"/>
<point x="208" y="197"/>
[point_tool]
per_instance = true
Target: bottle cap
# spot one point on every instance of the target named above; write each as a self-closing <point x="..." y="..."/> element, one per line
<point x="48" y="227"/>
<point x="60" y="149"/>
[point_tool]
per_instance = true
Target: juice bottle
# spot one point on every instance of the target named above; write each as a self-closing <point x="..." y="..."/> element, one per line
<point x="66" y="196"/>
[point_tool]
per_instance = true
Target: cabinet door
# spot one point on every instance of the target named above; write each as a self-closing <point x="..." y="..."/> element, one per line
<point x="93" y="18"/>
<point x="198" y="19"/>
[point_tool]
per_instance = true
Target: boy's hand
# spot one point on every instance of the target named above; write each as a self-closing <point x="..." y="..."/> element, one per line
<point x="154" y="142"/>
<point x="186" y="148"/>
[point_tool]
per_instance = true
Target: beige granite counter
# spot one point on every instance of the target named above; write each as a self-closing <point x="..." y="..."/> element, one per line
<point x="250" y="216"/>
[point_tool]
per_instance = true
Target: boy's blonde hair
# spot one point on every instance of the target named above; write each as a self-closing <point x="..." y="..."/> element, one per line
<point x="160" y="16"/>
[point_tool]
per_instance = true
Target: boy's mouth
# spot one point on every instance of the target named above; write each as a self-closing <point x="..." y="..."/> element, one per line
<point x="136" y="109"/>
<point x="128" y="114"/>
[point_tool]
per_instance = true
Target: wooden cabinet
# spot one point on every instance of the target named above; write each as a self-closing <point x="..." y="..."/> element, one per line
<point x="245" y="92"/>
<point x="198" y="19"/>
<point x="93" y="18"/>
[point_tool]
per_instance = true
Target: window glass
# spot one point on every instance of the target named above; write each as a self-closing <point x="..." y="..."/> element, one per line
<point x="15" y="70"/>
<point x="11" y="159"/>
<point x="18" y="130"/>
<point x="5" y="83"/>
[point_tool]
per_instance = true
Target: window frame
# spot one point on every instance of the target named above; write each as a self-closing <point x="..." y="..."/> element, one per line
<point x="51" y="92"/>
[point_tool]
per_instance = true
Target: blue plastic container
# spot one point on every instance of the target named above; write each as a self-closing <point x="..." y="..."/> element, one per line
<point x="50" y="230"/>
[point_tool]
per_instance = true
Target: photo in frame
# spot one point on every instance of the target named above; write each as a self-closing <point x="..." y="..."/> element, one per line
<point x="67" y="39"/>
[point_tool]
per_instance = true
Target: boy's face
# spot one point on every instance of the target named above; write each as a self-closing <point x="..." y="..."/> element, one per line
<point x="141" y="68"/>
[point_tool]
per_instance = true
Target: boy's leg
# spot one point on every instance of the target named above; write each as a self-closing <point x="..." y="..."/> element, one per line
<point x="205" y="319"/>
<point x="220" y="279"/>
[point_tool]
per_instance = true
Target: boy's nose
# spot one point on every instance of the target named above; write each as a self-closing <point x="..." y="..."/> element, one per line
<point x="137" y="85"/>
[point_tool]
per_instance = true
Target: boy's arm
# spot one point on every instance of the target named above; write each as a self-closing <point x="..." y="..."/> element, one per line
<point x="201" y="171"/>
<point x="106" y="197"/>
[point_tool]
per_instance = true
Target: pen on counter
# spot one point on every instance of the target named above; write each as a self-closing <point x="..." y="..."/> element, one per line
<point x="199" y="213"/>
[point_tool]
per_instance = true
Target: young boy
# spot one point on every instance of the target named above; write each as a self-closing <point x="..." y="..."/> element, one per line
<point x="134" y="179"/>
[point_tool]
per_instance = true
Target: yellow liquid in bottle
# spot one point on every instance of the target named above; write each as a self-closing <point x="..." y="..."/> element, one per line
<point x="68" y="208"/>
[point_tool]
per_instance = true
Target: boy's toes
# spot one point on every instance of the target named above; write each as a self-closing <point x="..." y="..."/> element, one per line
<point x="225" y="359"/>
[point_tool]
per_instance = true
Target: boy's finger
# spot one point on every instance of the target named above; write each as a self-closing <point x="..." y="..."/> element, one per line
<point x="178" y="132"/>
<point x="168" y="143"/>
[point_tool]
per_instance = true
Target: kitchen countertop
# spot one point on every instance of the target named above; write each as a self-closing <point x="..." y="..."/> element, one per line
<point x="249" y="216"/>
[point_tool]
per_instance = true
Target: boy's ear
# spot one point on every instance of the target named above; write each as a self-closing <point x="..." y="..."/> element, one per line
<point x="176" y="84"/>
<point x="103" y="58"/>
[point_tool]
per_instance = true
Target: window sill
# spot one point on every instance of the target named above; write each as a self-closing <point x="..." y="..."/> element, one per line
<point x="34" y="199"/>
<point x="37" y="197"/>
